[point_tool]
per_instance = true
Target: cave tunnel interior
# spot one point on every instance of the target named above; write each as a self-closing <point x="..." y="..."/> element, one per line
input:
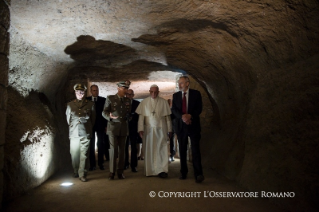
<point x="256" y="64"/>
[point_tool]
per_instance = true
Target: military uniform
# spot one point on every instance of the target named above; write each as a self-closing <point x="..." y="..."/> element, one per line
<point x="81" y="118"/>
<point x="117" y="129"/>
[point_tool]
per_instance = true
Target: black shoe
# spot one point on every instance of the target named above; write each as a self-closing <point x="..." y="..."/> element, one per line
<point x="134" y="169"/>
<point x="199" y="179"/>
<point x="183" y="177"/>
<point x="92" y="168"/>
<point x="163" y="175"/>
<point x="75" y="175"/>
<point x="126" y="167"/>
<point x="102" y="168"/>
<point x="138" y="158"/>
<point x="171" y="158"/>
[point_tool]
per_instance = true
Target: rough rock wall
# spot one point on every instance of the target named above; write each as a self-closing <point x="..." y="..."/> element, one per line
<point x="33" y="137"/>
<point x="231" y="50"/>
<point x="4" y="67"/>
<point x="282" y="137"/>
<point x="31" y="69"/>
<point x="31" y="149"/>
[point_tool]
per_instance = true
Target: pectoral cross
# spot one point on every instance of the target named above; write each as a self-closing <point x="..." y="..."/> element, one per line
<point x="153" y="112"/>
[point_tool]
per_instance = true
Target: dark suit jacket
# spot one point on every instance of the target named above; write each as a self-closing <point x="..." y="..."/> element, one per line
<point x="133" y="123"/>
<point x="100" y="121"/>
<point x="195" y="107"/>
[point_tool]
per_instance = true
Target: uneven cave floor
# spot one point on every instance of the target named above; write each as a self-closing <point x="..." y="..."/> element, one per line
<point x="132" y="194"/>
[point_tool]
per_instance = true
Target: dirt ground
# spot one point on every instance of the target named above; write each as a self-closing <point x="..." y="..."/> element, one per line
<point x="133" y="193"/>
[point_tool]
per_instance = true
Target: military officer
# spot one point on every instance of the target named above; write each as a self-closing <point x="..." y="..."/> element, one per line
<point x="80" y="115"/>
<point x="117" y="110"/>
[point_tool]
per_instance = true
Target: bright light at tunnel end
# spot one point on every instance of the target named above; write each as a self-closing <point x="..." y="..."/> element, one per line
<point x="66" y="184"/>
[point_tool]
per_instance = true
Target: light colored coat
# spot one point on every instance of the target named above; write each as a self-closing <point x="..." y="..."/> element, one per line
<point x="81" y="118"/>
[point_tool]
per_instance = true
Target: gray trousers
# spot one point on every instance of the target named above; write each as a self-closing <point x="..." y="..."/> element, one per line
<point x="117" y="150"/>
<point x="79" y="147"/>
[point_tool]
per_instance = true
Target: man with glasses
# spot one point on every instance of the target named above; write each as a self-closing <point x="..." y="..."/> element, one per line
<point x="80" y="115"/>
<point x="187" y="107"/>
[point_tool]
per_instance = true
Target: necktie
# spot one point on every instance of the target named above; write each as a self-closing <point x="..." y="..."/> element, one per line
<point x="184" y="111"/>
<point x="94" y="99"/>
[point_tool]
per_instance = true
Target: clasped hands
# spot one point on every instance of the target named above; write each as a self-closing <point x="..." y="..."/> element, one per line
<point x="187" y="118"/>
<point x="113" y="117"/>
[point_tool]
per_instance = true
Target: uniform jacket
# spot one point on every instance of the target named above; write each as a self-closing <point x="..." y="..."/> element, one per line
<point x="100" y="121"/>
<point x="80" y="117"/>
<point x="195" y="107"/>
<point x="113" y="104"/>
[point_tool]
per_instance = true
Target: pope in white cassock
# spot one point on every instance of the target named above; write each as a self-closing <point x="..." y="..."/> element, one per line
<point x="154" y="125"/>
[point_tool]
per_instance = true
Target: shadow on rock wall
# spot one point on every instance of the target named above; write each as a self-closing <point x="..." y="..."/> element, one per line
<point x="32" y="141"/>
<point x="87" y="49"/>
<point x="136" y="70"/>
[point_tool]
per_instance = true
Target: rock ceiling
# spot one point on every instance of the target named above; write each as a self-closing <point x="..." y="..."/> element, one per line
<point x="52" y="26"/>
<point x="112" y="32"/>
<point x="225" y="45"/>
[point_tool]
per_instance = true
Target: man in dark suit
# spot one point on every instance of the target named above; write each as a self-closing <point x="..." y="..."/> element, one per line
<point x="133" y="137"/>
<point x="98" y="128"/>
<point x="187" y="106"/>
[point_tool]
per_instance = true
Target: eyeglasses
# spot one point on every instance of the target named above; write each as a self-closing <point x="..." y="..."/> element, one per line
<point x="132" y="94"/>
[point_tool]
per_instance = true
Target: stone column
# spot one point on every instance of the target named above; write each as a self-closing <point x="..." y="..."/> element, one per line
<point x="4" y="68"/>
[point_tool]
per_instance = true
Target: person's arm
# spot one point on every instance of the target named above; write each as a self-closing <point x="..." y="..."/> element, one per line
<point x="140" y="125"/>
<point x="68" y="114"/>
<point x="198" y="106"/>
<point x="107" y="109"/>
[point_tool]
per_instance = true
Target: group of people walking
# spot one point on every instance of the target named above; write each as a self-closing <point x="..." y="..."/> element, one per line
<point x="119" y="119"/>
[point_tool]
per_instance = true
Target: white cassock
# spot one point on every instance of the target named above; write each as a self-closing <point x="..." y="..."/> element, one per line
<point x="155" y="121"/>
